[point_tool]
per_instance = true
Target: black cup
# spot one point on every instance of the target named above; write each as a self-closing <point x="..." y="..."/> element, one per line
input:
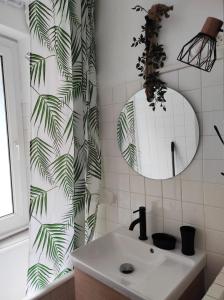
<point x="187" y="237"/>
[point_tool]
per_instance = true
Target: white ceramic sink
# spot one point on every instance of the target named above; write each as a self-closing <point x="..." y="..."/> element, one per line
<point x="162" y="275"/>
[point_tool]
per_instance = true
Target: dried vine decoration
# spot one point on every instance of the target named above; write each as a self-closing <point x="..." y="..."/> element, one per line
<point x="153" y="56"/>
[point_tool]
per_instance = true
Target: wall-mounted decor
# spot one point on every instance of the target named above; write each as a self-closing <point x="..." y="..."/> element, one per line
<point x="153" y="56"/>
<point x="200" y="52"/>
<point x="155" y="144"/>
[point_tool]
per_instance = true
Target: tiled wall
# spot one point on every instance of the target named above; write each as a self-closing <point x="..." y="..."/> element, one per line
<point x="194" y="197"/>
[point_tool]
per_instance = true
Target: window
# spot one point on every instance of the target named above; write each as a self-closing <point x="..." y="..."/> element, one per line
<point x="13" y="188"/>
<point x="6" y="205"/>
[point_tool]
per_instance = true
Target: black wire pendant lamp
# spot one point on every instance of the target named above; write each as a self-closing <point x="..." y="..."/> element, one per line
<point x="200" y="52"/>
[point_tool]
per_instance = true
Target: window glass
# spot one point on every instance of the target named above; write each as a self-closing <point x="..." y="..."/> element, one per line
<point x="6" y="197"/>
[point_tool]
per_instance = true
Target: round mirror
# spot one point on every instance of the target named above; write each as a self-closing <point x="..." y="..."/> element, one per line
<point x="158" y="144"/>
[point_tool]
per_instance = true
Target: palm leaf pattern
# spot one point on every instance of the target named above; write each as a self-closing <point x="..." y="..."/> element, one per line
<point x="39" y="275"/>
<point x="51" y="237"/>
<point x="37" y="68"/>
<point x="65" y="156"/>
<point x="38" y="200"/>
<point x="126" y="133"/>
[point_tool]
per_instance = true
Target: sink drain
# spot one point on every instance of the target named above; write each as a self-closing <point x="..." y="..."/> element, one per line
<point x="127" y="268"/>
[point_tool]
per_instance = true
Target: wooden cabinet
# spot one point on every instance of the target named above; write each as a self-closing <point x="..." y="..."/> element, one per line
<point x="88" y="288"/>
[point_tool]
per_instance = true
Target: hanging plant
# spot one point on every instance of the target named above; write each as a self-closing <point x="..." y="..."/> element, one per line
<point x="153" y="56"/>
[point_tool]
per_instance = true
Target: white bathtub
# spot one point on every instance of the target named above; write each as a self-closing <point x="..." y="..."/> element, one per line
<point x="13" y="270"/>
<point x="13" y="267"/>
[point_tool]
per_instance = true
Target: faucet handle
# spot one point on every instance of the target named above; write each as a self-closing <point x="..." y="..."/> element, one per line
<point x="141" y="208"/>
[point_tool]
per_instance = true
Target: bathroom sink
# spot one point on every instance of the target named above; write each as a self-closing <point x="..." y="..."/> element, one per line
<point x="158" y="274"/>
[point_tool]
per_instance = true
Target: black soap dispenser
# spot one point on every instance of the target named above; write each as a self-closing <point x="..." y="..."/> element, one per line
<point x="187" y="237"/>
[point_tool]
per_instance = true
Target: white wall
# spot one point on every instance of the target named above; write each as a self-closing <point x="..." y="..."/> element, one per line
<point x="117" y="23"/>
<point x="196" y="196"/>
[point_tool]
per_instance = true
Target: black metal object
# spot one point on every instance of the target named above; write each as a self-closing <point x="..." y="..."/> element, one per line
<point x="164" y="241"/>
<point x="218" y="133"/>
<point x="173" y="157"/>
<point x="199" y="52"/>
<point x="221" y="139"/>
<point x="142" y="223"/>
<point x="187" y="238"/>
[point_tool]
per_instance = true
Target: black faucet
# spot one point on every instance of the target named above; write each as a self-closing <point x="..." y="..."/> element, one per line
<point x="142" y="223"/>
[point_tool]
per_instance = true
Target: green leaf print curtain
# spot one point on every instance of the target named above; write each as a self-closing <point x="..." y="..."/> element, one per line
<point x="65" y="156"/>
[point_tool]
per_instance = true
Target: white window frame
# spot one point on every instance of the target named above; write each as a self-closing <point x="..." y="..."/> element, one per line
<point x="18" y="220"/>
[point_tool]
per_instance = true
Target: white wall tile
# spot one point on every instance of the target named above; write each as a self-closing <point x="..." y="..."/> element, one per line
<point x="106" y="113"/>
<point x="192" y="191"/>
<point x="216" y="291"/>
<point x="212" y="98"/>
<point x="112" y="213"/>
<point x="189" y="79"/>
<point x="110" y="148"/>
<point x="172" y="188"/>
<point x="210" y="119"/>
<point x="171" y="79"/>
<point x="213" y="194"/>
<point x="137" y="200"/>
<point x="193" y="171"/>
<point x="154" y="205"/>
<point x="105" y="96"/>
<point x="132" y="87"/>
<point x="212" y="169"/>
<point x="119" y="94"/>
<point x="212" y="148"/>
<point x="124" y="199"/>
<point x="214" y="218"/>
<point x="215" y="77"/>
<point x="215" y="263"/>
<point x="137" y="184"/>
<point x="153" y="187"/>
<point x="214" y="241"/>
<point x="172" y="209"/>
<point x="124" y="216"/>
<point x="123" y="181"/>
<point x="194" y="98"/>
<point x="172" y="227"/>
<point x="193" y="213"/>
<point x="107" y="131"/>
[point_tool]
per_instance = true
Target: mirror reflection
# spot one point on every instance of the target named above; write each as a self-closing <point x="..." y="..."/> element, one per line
<point x="158" y="144"/>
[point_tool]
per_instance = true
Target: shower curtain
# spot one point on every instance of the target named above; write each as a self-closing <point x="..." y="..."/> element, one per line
<point x="65" y="155"/>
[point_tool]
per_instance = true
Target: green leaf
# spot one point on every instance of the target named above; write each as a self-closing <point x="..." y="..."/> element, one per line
<point x="122" y="129"/>
<point x="77" y="204"/>
<point x="61" y="43"/>
<point x="51" y="239"/>
<point x="91" y="117"/>
<point x="77" y="239"/>
<point x="90" y="226"/>
<point x="129" y="155"/>
<point x="75" y="47"/>
<point x="40" y="153"/>
<point x="39" y="16"/>
<point x="38" y="200"/>
<point x="37" y="68"/>
<point x="62" y="273"/>
<point x="62" y="169"/>
<point x="71" y="125"/>
<point x="131" y="119"/>
<point x="39" y="276"/>
<point x="47" y="110"/>
<point x="94" y="160"/>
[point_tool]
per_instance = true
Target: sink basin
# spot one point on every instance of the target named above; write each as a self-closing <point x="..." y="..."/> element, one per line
<point x="158" y="274"/>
